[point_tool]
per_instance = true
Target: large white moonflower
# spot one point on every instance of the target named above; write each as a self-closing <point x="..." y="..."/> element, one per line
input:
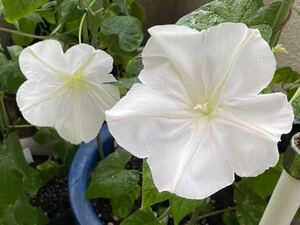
<point x="197" y="115"/>
<point x="67" y="91"/>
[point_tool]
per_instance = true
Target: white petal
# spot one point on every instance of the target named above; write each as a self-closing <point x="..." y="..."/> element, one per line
<point x="196" y="169"/>
<point x="145" y="121"/>
<point x="83" y="110"/>
<point x="85" y="58"/>
<point x="271" y="112"/>
<point x="80" y="117"/>
<point x="249" y="151"/>
<point x="228" y="58"/>
<point x="43" y="60"/>
<point x="246" y="62"/>
<point x="167" y="61"/>
<point x="39" y="101"/>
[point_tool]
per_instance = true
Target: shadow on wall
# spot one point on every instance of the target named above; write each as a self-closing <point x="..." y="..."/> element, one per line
<point x="167" y="11"/>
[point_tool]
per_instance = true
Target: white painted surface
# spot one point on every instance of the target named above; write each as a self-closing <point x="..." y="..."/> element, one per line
<point x="284" y="202"/>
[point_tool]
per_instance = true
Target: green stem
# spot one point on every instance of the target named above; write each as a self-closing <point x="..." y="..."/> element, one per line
<point x="195" y="217"/>
<point x="88" y="7"/>
<point x="164" y="214"/>
<point x="297" y="93"/>
<point x="80" y="28"/>
<point x="216" y="213"/>
<point x="3" y="114"/>
<point x="21" y="126"/>
<point x="100" y="146"/>
<point x="33" y="35"/>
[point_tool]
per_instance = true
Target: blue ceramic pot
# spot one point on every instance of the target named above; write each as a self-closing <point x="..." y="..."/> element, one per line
<point x="82" y="167"/>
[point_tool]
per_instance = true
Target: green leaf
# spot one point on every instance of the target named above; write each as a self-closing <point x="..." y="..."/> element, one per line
<point x="150" y="194"/>
<point x="21" y="213"/>
<point x="134" y="66"/>
<point x="264" y="184"/>
<point x="251" y="12"/>
<point x="122" y="206"/>
<point x="229" y="218"/>
<point x="48" y="170"/>
<point x="16" y="175"/>
<point x="14" y="10"/>
<point x="27" y="25"/>
<point x="111" y="180"/>
<point x="138" y="11"/>
<point x="181" y="207"/>
<point x="127" y="28"/>
<point x="285" y="75"/>
<point x="68" y="10"/>
<point x="48" y="15"/>
<point x="145" y="217"/>
<point x="63" y="149"/>
<point x="296" y="107"/>
<point x="11" y="76"/>
<point x="249" y="206"/>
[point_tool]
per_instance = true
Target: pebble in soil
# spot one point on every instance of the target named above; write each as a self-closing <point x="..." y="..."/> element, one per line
<point x="53" y="197"/>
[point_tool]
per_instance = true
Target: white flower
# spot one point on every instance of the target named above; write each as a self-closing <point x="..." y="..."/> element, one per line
<point x="197" y="115"/>
<point x="67" y="91"/>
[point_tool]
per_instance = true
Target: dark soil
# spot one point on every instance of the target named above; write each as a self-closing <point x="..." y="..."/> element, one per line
<point x="53" y="197"/>
<point x="104" y="211"/>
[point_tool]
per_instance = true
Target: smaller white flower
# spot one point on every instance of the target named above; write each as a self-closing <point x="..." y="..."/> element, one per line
<point x="68" y="91"/>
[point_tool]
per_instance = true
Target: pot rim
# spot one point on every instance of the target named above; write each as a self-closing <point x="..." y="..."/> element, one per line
<point x="84" y="162"/>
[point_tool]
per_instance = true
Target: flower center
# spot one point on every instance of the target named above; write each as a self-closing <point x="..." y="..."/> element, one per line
<point x="204" y="108"/>
<point x="75" y="80"/>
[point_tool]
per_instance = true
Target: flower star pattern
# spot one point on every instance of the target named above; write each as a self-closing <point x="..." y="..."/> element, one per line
<point x="67" y="91"/>
<point x="197" y="115"/>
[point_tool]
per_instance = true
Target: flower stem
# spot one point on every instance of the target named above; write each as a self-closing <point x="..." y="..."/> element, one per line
<point x="42" y="37"/>
<point x="80" y="28"/>
<point x="22" y="126"/>
<point x="100" y="146"/>
<point x="3" y="113"/>
<point x="217" y="212"/>
<point x="297" y="93"/>
<point x="164" y="214"/>
<point x="195" y="216"/>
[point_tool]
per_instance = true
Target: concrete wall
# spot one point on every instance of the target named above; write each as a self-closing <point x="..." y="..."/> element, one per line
<point x="290" y="39"/>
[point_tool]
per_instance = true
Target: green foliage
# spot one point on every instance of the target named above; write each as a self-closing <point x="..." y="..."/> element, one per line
<point x="48" y="170"/>
<point x="11" y="76"/>
<point x="16" y="175"/>
<point x="249" y="206"/>
<point x="14" y="10"/>
<point x="144" y="217"/>
<point x="267" y="18"/>
<point x="296" y="107"/>
<point x="229" y="218"/>
<point x="17" y="179"/>
<point x="251" y="194"/>
<point x="63" y="149"/>
<point x="288" y="79"/>
<point x="264" y="184"/>
<point x="181" y="207"/>
<point x="285" y="75"/>
<point x="127" y="28"/>
<point x="150" y="194"/>
<point x="134" y="67"/>
<point x="21" y="213"/>
<point x="112" y="180"/>
<point x="28" y="25"/>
